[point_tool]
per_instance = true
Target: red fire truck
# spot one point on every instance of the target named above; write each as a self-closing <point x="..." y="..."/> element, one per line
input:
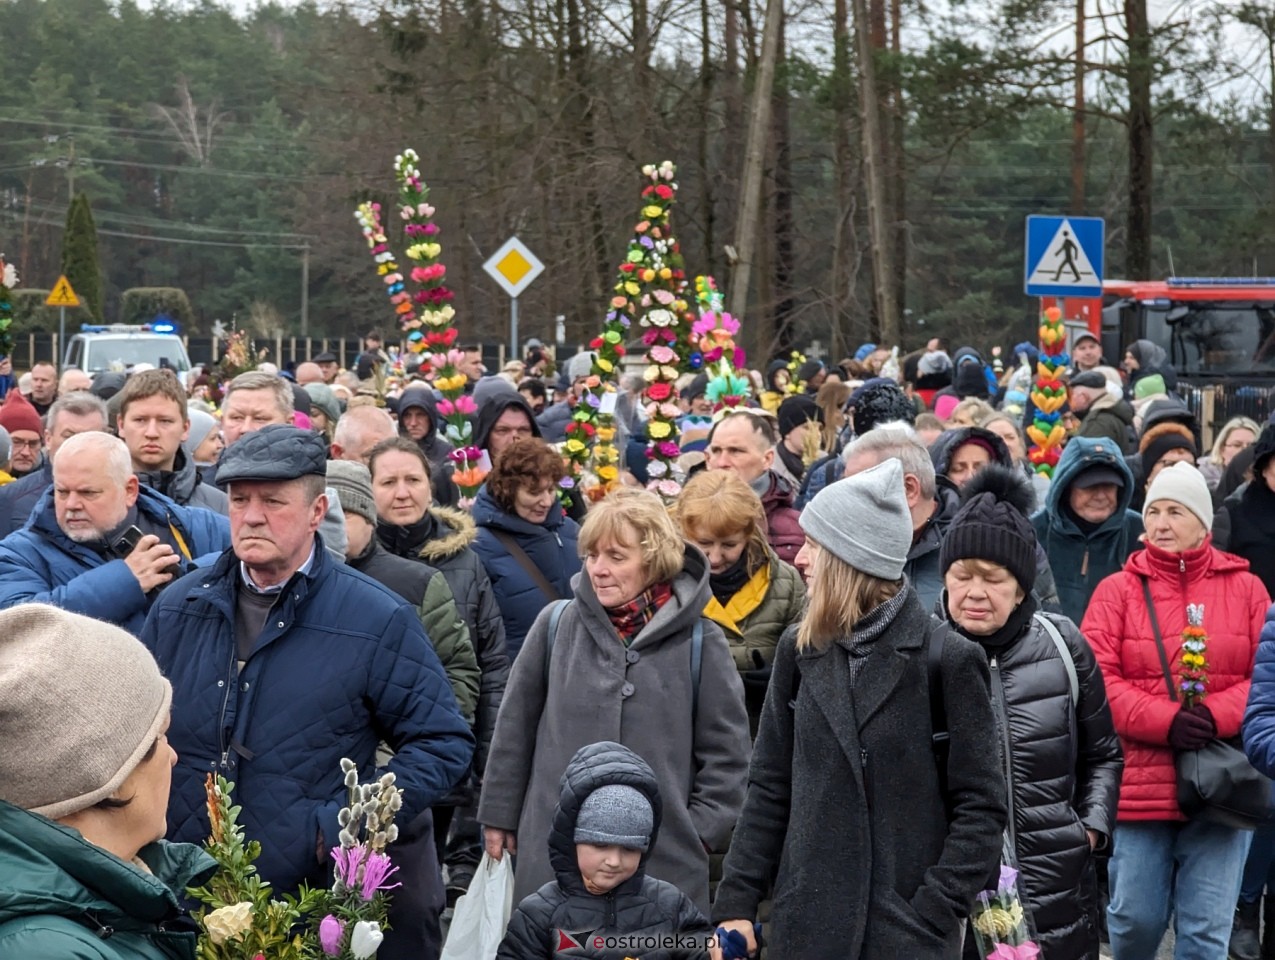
<point x="1212" y="328"/>
<point x="1218" y="332"/>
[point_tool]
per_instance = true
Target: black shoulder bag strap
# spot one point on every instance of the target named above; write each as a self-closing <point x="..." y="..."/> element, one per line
<point x="520" y="557"/>
<point x="940" y="743"/>
<point x="1159" y="640"/>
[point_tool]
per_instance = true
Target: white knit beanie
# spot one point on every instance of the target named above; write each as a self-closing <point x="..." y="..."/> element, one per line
<point x="864" y="520"/>
<point x="81" y="703"/>
<point x="1182" y="483"/>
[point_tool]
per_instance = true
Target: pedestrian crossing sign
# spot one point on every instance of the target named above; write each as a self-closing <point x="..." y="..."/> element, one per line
<point x="1064" y="256"/>
<point x="62" y="295"/>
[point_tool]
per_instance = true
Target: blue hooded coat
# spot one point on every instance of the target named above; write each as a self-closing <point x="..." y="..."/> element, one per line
<point x="41" y="564"/>
<point x="551" y="546"/>
<point x="1081" y="561"/>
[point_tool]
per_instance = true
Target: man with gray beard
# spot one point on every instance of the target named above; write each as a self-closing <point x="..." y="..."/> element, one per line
<point x="98" y="543"/>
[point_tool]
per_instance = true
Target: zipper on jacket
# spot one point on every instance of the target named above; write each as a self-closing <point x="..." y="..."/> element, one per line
<point x="611" y="921"/>
<point x="1084" y="563"/>
<point x="225" y="703"/>
<point x="1002" y="718"/>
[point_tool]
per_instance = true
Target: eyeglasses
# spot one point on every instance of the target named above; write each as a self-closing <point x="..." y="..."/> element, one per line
<point x="26" y="444"/>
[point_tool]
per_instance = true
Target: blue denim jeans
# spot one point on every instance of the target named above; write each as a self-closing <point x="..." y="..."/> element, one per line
<point x="1259" y="868"/>
<point x="1190" y="870"/>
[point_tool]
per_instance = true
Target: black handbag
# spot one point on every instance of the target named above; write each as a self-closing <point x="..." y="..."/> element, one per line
<point x="1216" y="783"/>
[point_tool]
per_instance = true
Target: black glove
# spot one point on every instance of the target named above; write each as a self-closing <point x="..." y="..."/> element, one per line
<point x="1192" y="728"/>
<point x="757" y="680"/>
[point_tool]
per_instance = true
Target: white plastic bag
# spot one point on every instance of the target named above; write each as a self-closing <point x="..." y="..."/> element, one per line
<point x="481" y="915"/>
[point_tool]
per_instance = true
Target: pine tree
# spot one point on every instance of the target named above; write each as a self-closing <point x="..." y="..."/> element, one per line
<point x="79" y="256"/>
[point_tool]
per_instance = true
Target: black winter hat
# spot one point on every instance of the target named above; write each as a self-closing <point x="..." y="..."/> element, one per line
<point x="795" y="411"/>
<point x="992" y="524"/>
<point x="1263" y="449"/>
<point x="810" y="369"/>
<point x="879" y="401"/>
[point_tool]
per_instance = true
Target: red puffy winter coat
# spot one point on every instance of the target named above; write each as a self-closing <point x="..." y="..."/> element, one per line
<point x="1119" y="630"/>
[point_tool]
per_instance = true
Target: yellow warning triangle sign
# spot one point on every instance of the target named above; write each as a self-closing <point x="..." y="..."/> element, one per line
<point x="62" y="295"/>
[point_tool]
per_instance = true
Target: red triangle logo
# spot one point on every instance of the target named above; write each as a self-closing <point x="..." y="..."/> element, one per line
<point x="567" y="942"/>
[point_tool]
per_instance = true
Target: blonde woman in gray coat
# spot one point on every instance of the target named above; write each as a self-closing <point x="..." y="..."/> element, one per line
<point x="630" y="659"/>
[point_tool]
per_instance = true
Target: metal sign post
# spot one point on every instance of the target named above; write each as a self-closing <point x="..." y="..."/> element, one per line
<point x="62" y="296"/>
<point x="513" y="266"/>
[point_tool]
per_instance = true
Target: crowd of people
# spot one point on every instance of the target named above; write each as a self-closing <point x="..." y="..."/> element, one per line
<point x="869" y="655"/>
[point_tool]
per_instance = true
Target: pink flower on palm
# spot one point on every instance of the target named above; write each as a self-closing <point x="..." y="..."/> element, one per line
<point x="376" y="872"/>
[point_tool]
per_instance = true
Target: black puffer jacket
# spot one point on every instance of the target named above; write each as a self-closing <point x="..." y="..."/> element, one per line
<point x="640" y="905"/>
<point x="1066" y="767"/>
<point x="442" y="539"/>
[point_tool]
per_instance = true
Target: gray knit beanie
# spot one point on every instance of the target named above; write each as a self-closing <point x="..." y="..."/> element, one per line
<point x="615" y="814"/>
<point x="581" y="365"/>
<point x="81" y="703"/>
<point x="201" y="424"/>
<point x="864" y="520"/>
<point x="353" y="485"/>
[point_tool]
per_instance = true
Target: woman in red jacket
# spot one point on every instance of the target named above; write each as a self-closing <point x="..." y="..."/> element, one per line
<point x="1161" y="862"/>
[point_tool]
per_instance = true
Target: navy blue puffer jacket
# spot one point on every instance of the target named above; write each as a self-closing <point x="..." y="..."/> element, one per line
<point x="41" y="564"/>
<point x="641" y="905"/>
<point x="342" y="664"/>
<point x="551" y="546"/>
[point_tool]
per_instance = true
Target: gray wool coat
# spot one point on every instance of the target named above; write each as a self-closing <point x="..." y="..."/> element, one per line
<point x="844" y="801"/>
<point x="641" y="697"/>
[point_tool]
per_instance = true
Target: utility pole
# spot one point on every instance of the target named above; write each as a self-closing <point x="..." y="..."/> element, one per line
<point x="1078" y="118"/>
<point x="305" y="290"/>
<point x="882" y="241"/>
<point x="747" y="223"/>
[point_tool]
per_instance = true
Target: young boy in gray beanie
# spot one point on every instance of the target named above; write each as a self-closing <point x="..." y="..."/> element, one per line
<point x="602" y="903"/>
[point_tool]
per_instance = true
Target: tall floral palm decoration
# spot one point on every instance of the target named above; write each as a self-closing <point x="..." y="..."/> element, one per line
<point x="713" y="335"/>
<point x="656" y="287"/>
<point x="8" y="280"/>
<point x="427" y="316"/>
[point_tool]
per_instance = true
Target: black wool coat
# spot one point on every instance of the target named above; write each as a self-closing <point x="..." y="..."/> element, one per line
<point x="844" y="807"/>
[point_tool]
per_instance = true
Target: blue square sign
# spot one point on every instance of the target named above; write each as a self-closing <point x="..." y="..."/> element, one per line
<point x="1064" y="257"/>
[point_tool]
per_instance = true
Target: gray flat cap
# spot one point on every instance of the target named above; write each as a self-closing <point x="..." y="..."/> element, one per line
<point x="276" y="452"/>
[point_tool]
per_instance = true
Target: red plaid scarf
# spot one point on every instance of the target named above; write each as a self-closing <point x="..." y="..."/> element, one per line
<point x="630" y="618"/>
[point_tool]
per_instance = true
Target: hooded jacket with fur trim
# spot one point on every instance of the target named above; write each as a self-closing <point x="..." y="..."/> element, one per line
<point x="443" y="538"/>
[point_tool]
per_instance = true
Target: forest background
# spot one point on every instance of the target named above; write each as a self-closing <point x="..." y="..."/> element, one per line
<point x="220" y="147"/>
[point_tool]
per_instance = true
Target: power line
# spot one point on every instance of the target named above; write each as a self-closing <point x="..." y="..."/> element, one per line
<point x="193" y="243"/>
<point x="160" y="224"/>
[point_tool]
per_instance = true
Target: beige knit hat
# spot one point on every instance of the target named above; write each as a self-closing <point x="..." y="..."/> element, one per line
<point x="81" y="702"/>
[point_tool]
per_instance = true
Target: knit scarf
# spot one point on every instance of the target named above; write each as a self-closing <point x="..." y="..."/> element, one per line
<point x="631" y="618"/>
<point x="731" y="580"/>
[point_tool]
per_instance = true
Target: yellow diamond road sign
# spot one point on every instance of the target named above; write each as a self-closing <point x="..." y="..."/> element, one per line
<point x="62" y="295"/>
<point x="513" y="266"/>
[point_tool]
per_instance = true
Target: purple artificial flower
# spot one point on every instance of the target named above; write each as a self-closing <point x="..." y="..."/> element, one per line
<point x="331" y="932"/>
<point x="377" y="870"/>
<point x="669" y="450"/>
<point x="346" y="861"/>
<point x="567" y="483"/>
<point x="593" y="400"/>
<point x="647" y="242"/>
<point x="1008" y="881"/>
